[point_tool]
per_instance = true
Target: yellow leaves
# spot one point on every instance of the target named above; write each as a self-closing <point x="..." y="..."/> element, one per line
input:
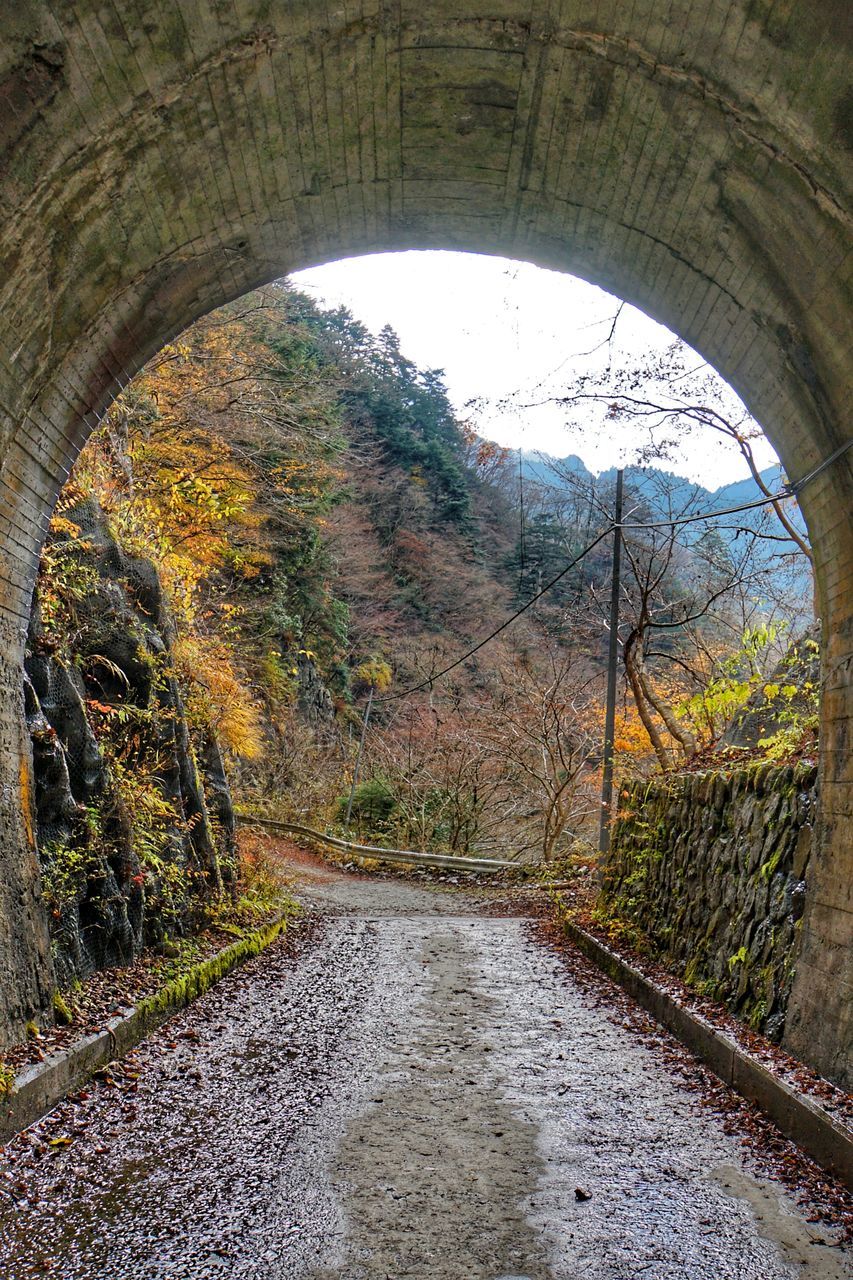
<point x="376" y="673"/>
<point x="216" y="697"/>
<point x="192" y="510"/>
<point x="279" y="682"/>
<point x="632" y="739"/>
<point x="172" y="351"/>
<point x="59" y="524"/>
<point x="210" y="464"/>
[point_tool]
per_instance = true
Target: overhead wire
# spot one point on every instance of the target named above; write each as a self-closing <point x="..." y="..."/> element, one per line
<point x="810" y="475"/>
<point x="431" y="680"/>
<point x="787" y="491"/>
<point x="674" y="521"/>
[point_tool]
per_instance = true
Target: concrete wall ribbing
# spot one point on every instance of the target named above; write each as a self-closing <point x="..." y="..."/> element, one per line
<point x="692" y="156"/>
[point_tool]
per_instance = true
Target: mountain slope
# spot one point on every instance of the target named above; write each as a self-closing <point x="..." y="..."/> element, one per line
<point x="290" y="516"/>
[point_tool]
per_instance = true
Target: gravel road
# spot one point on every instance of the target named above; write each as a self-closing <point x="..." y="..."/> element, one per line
<point x="417" y="1090"/>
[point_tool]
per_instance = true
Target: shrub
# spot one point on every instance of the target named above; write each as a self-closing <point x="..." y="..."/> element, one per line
<point x="372" y="805"/>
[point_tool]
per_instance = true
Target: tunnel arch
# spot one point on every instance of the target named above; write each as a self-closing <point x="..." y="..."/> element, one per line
<point x="692" y="157"/>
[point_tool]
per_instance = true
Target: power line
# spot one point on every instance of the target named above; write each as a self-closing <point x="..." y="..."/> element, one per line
<point x="431" y="680"/>
<point x="787" y="491"/>
<point x="810" y="475"/>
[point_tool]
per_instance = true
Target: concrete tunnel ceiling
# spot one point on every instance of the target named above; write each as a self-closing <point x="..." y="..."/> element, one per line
<point x="691" y="156"/>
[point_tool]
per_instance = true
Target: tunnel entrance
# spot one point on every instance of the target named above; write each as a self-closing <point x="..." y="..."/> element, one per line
<point x="691" y="159"/>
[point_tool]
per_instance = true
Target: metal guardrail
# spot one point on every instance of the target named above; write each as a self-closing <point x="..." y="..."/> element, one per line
<point x="447" y="861"/>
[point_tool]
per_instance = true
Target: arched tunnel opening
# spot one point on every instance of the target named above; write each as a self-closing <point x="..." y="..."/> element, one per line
<point x="182" y="515"/>
<point x="695" y="164"/>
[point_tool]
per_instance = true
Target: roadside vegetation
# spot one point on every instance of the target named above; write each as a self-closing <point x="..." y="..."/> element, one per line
<point x="320" y="529"/>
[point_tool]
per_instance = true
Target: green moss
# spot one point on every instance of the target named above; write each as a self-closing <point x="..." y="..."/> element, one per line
<point x="202" y="975"/>
<point x="619" y="929"/>
<point x="767" y="868"/>
<point x="61" y="1009"/>
<point x="7" y="1078"/>
<point x="691" y="970"/>
<point x="756" y="1014"/>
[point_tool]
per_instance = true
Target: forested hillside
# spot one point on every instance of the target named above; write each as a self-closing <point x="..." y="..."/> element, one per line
<point x="781" y="571"/>
<point x="282" y="514"/>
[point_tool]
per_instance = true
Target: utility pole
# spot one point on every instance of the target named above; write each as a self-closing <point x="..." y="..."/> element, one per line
<point x="358" y="759"/>
<point x="520" y="523"/>
<point x="612" y="661"/>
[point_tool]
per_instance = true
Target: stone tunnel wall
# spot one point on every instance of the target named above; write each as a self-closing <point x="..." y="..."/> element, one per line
<point x="715" y="869"/>
<point x="692" y="157"/>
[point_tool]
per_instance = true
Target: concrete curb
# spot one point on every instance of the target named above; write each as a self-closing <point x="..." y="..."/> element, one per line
<point x="828" y="1141"/>
<point x="38" y="1088"/>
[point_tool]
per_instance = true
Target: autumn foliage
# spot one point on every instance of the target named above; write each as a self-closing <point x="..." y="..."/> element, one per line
<point x="324" y="526"/>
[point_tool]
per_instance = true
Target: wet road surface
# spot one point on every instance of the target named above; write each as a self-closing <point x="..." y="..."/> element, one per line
<point x="421" y="1091"/>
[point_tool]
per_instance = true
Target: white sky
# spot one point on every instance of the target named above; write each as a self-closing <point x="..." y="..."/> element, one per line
<point x="507" y="333"/>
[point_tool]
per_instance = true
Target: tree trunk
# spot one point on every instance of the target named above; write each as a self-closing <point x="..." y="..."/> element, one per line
<point x="682" y="735"/>
<point x="643" y="705"/>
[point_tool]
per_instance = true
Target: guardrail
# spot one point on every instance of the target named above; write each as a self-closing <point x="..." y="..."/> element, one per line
<point x="446" y="861"/>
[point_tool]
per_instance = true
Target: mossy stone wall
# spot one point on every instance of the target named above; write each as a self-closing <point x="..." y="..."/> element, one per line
<point x="715" y="869"/>
<point x="692" y="156"/>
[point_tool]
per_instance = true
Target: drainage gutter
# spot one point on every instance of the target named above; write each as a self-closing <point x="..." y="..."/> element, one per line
<point x="827" y="1140"/>
<point x="38" y="1088"/>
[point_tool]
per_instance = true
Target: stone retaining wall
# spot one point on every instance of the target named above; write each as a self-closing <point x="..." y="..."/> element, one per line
<point x="690" y="157"/>
<point x="714" y="868"/>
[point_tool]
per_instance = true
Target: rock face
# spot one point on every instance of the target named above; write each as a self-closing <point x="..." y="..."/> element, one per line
<point x="508" y="128"/>
<point x="109" y="886"/>
<point x="313" y="698"/>
<point x="715" y="868"/>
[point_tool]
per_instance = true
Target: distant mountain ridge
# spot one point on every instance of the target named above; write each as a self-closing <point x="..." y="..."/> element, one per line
<point x="666" y="493"/>
<point x="549" y="471"/>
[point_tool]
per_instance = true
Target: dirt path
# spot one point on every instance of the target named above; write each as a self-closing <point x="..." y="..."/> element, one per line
<point x="419" y="1092"/>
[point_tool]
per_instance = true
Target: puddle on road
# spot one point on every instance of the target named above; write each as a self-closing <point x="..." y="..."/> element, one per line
<point x="807" y="1250"/>
<point x="433" y="1178"/>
